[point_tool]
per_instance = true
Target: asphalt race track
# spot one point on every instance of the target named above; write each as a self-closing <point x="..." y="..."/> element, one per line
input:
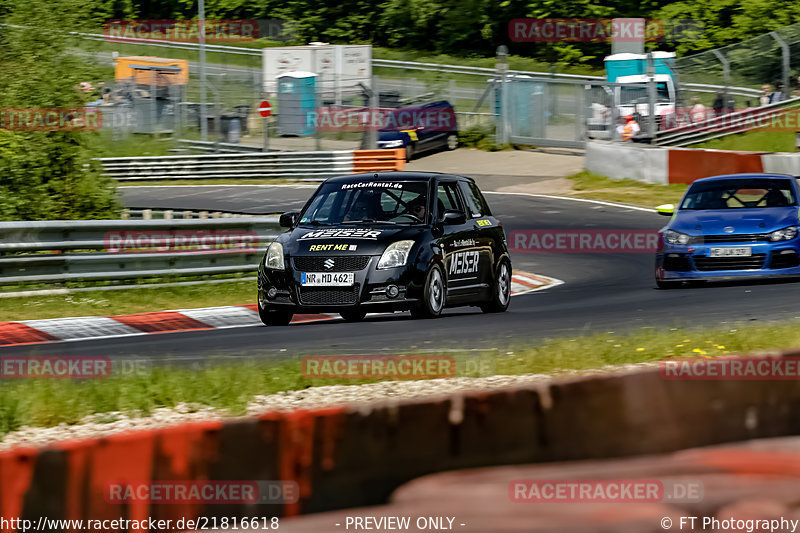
<point x="603" y="291"/>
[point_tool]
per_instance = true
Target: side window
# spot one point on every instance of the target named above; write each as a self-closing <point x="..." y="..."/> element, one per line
<point x="476" y="204"/>
<point x="447" y="193"/>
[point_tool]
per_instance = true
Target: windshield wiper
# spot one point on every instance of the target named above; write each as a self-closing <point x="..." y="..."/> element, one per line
<point x="316" y="223"/>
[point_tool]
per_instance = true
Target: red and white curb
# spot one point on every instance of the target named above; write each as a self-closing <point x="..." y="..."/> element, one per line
<point x="232" y="316"/>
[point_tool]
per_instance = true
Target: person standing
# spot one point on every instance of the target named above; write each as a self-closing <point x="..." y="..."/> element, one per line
<point x="629" y="129"/>
<point x="765" y="95"/>
<point x="719" y="104"/>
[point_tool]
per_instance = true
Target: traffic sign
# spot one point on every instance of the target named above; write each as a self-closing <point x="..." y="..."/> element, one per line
<point x="265" y="109"/>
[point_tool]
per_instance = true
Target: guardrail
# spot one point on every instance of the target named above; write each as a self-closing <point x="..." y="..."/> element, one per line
<point x="101" y="250"/>
<point x="218" y="147"/>
<point x="724" y="125"/>
<point x="145" y="213"/>
<point x="282" y="165"/>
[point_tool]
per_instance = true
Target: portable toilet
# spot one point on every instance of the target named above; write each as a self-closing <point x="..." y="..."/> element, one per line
<point x="297" y="103"/>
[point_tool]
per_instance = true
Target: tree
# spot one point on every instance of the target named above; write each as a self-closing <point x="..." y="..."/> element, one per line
<point x="47" y="174"/>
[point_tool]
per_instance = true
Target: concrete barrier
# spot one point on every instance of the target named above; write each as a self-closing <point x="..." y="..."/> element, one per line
<point x="652" y="164"/>
<point x="634" y="161"/>
<point x="349" y="457"/>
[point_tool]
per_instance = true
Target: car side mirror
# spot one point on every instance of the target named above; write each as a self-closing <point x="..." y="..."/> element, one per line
<point x="287" y="220"/>
<point x="667" y="210"/>
<point x="451" y="217"/>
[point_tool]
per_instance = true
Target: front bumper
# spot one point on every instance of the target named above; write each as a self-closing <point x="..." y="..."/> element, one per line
<point x="368" y="293"/>
<point x="693" y="262"/>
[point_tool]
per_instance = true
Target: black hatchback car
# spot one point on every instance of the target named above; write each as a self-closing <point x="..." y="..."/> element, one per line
<point x="384" y="242"/>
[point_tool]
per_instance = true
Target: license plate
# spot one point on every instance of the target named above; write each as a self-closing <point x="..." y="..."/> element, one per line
<point x="731" y="252"/>
<point x="327" y="279"/>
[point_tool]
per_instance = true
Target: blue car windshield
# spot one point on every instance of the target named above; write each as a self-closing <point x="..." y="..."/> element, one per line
<point x="388" y="202"/>
<point x="740" y="194"/>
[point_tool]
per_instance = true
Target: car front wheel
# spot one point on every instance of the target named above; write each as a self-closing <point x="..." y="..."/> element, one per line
<point x="274" y="317"/>
<point x="434" y="295"/>
<point x="501" y="292"/>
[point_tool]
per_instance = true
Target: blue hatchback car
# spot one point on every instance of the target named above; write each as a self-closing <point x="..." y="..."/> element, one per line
<point x="731" y="227"/>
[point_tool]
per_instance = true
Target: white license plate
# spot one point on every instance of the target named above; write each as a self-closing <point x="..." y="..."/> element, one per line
<point x="327" y="279"/>
<point x="731" y="252"/>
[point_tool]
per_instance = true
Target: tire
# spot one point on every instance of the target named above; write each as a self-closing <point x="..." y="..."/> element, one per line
<point x="451" y="143"/>
<point x="501" y="291"/>
<point x="274" y="317"/>
<point x="434" y="295"/>
<point x="664" y="285"/>
<point x="409" y="152"/>
<point x="353" y="316"/>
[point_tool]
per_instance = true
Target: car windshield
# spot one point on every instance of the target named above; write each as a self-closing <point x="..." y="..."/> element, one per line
<point x="376" y="202"/>
<point x="638" y="94"/>
<point x="739" y="194"/>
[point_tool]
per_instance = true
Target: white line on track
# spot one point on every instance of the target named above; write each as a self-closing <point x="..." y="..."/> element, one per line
<point x="598" y="202"/>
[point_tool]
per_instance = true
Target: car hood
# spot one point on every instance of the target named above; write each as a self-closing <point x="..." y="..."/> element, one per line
<point x="345" y="240"/>
<point x="714" y="221"/>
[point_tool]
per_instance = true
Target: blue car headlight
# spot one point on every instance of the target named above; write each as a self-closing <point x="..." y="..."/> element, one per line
<point x="676" y="237"/>
<point x="785" y="234"/>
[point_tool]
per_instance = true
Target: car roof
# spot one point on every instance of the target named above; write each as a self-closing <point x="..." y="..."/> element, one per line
<point x="396" y="175"/>
<point x="744" y="176"/>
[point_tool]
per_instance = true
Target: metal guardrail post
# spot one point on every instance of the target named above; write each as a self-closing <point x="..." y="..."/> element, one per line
<point x="502" y="74"/>
<point x="651" y="97"/>
<point x="786" y="55"/>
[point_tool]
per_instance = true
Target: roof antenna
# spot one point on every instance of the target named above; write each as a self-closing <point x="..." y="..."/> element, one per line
<point x="376" y="175"/>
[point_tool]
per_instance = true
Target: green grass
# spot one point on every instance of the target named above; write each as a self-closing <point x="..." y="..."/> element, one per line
<point x="759" y="141"/>
<point x="127" y="301"/>
<point x="589" y="185"/>
<point x="231" y="385"/>
<point x="136" y="145"/>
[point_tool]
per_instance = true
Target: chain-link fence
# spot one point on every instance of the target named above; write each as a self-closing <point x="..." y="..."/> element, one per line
<point x="146" y="97"/>
<point x="769" y="64"/>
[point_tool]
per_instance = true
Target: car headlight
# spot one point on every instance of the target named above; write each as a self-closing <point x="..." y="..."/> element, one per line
<point x="393" y="144"/>
<point x="785" y="234"/>
<point x="396" y="254"/>
<point x="274" y="257"/>
<point x="676" y="237"/>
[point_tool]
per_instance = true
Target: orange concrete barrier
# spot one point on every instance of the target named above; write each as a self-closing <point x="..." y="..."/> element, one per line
<point x="378" y="160"/>
<point x="345" y="457"/>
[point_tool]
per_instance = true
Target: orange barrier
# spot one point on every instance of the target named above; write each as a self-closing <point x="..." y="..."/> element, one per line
<point x="355" y="456"/>
<point x="378" y="160"/>
<point x="16" y="472"/>
<point x="688" y="164"/>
